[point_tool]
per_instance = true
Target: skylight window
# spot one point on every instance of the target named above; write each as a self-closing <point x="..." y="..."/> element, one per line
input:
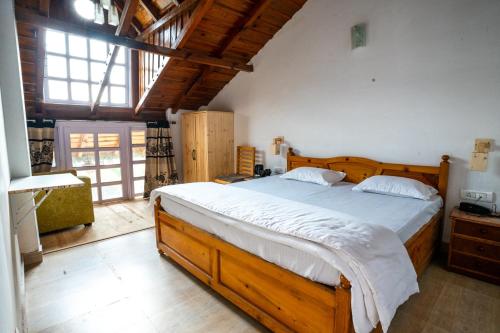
<point x="74" y="67"/>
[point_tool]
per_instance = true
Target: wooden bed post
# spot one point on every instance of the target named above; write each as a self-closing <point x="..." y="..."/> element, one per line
<point x="343" y="313"/>
<point x="288" y="162"/>
<point x="157" y="222"/>
<point x="444" y="168"/>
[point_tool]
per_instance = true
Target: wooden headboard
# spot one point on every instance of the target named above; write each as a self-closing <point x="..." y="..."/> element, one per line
<point x="359" y="168"/>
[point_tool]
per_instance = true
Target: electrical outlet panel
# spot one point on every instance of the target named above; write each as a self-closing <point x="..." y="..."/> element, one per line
<point x="476" y="195"/>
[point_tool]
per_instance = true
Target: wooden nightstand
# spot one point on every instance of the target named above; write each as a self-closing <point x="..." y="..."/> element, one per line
<point x="475" y="246"/>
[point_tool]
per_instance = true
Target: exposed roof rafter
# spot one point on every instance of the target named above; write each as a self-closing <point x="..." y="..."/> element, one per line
<point x="167" y="17"/>
<point x="151" y="9"/>
<point x="135" y="22"/>
<point x="82" y="30"/>
<point x="232" y="37"/>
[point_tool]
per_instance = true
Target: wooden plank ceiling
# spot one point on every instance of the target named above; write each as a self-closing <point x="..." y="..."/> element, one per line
<point x="231" y="30"/>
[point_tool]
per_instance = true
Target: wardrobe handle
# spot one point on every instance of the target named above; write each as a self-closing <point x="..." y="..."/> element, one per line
<point x="193" y="154"/>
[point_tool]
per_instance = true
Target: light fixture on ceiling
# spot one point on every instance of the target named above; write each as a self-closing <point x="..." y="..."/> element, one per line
<point x="85" y="8"/>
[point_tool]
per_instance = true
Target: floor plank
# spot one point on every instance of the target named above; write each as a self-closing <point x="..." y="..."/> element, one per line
<point x="111" y="220"/>
<point x="122" y="285"/>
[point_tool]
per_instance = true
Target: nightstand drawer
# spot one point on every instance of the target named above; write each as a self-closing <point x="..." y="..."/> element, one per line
<point x="475" y="264"/>
<point x="476" y="248"/>
<point x="477" y="230"/>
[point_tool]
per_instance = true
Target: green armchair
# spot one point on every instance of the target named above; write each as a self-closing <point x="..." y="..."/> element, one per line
<point x="66" y="208"/>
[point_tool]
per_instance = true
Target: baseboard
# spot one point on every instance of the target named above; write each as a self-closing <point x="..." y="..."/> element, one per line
<point x="33" y="258"/>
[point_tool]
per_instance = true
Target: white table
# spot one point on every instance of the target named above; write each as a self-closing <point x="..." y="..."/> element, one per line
<point x="35" y="185"/>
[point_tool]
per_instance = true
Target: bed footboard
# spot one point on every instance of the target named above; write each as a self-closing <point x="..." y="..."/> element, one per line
<point x="277" y="298"/>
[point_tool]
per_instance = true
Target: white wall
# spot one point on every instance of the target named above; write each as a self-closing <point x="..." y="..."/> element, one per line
<point x="15" y="118"/>
<point x="8" y="317"/>
<point x="428" y="83"/>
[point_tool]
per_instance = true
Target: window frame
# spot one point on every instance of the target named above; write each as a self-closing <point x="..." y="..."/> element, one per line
<point x="68" y="80"/>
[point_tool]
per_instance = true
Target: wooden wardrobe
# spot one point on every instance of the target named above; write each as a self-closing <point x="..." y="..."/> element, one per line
<point x="207" y="145"/>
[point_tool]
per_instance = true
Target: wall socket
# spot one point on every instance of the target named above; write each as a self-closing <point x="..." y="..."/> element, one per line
<point x="476" y="195"/>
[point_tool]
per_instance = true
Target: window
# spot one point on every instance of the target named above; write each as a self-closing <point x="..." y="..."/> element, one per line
<point x="74" y="67"/>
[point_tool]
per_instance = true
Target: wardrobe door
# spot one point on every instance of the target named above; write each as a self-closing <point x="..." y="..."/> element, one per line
<point x="189" y="147"/>
<point x="220" y="137"/>
<point x="200" y="153"/>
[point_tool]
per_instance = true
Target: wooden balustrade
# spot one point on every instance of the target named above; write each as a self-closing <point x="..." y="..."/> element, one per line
<point x="167" y="35"/>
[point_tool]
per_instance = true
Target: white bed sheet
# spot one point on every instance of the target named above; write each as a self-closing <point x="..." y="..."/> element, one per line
<point x="403" y="215"/>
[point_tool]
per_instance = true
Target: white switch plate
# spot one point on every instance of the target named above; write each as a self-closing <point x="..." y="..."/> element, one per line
<point x="476" y="195"/>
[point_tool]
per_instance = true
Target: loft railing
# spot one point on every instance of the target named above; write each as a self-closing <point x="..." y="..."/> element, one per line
<point x="167" y="35"/>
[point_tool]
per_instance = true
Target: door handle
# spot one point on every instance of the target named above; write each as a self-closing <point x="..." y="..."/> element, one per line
<point x="193" y="154"/>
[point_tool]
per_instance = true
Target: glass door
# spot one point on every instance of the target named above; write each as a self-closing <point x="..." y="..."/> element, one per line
<point x="97" y="153"/>
<point x="138" y="153"/>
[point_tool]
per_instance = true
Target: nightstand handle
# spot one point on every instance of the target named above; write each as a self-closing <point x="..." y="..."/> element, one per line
<point x="481" y="248"/>
<point x="483" y="231"/>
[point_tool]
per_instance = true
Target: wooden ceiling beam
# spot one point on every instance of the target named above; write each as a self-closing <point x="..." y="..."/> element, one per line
<point x="135" y="22"/>
<point x="201" y="9"/>
<point x="151" y="9"/>
<point x="234" y="35"/>
<point x="27" y="16"/>
<point x="167" y="17"/>
<point x="128" y="13"/>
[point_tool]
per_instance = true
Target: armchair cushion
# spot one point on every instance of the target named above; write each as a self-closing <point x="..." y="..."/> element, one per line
<point x="66" y="208"/>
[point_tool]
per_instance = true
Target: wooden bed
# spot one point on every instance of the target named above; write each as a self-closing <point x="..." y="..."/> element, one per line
<point x="279" y="299"/>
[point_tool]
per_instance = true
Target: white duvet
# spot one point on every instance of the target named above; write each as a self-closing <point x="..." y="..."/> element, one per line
<point x="371" y="257"/>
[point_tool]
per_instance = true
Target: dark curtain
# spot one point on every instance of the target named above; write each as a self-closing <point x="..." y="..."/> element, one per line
<point x="41" y="141"/>
<point x="160" y="162"/>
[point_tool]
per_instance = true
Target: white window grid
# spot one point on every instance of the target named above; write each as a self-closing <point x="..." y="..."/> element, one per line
<point x="137" y="191"/>
<point x="89" y="82"/>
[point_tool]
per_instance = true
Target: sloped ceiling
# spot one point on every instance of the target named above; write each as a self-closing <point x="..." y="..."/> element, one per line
<point x="230" y="29"/>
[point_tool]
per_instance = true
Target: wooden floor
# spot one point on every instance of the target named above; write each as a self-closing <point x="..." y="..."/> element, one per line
<point x="108" y="286"/>
<point x="111" y="220"/>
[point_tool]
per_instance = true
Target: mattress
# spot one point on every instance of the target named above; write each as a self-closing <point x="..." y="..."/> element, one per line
<point x="404" y="216"/>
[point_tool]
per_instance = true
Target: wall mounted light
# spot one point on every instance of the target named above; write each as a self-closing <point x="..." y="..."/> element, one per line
<point x="358" y="35"/>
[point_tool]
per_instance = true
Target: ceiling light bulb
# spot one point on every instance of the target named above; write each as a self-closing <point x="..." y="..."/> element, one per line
<point x="85" y="8"/>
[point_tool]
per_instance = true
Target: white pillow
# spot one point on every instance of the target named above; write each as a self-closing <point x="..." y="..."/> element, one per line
<point x="396" y="186"/>
<point x="319" y="176"/>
